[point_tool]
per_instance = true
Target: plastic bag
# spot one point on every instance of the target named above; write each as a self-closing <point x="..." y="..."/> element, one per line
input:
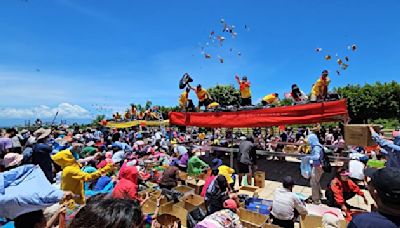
<point x="305" y="167"/>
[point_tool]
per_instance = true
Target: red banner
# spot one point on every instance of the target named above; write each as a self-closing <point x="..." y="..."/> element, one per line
<point x="298" y="114"/>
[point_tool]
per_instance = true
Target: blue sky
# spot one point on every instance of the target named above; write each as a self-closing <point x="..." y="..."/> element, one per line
<point x="111" y="53"/>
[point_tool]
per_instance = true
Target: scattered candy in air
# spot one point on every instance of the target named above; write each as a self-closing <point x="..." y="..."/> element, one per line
<point x="353" y="47"/>
<point x="346" y="58"/>
<point x="234" y="34"/>
<point x="246" y="28"/>
<point x="221" y="60"/>
<point x="328" y="57"/>
<point x="339" y="61"/>
<point x="230" y="49"/>
<point x="344" y="66"/>
<point x="318" y="49"/>
<point x="207" y="56"/>
<point x="338" y="72"/>
<point x="222" y="20"/>
<point x="239" y="54"/>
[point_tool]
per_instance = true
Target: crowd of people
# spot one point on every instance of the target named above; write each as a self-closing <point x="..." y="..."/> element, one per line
<point x="97" y="176"/>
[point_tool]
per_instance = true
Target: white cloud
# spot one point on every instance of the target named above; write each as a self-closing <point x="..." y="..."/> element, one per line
<point x="65" y="110"/>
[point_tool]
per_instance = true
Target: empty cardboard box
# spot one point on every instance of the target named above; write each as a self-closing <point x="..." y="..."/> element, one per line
<point x="358" y="135"/>
<point x="252" y="220"/>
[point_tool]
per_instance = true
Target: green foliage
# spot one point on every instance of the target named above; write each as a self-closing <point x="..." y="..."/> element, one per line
<point x="225" y="94"/>
<point x="285" y="102"/>
<point x="97" y="120"/>
<point x="387" y="123"/>
<point x="372" y="102"/>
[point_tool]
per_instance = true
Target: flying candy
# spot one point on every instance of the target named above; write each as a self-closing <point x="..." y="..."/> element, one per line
<point x="338" y="72"/>
<point x="221" y="60"/>
<point x="339" y="61"/>
<point x="318" y="49"/>
<point x="207" y="56"/>
<point x="353" y="47"/>
<point x="344" y="66"/>
<point x="346" y="58"/>
<point x="328" y="57"/>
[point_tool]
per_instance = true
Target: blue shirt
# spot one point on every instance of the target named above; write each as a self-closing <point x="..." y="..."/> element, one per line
<point x="101" y="183"/>
<point x="374" y="220"/>
<point x="391" y="150"/>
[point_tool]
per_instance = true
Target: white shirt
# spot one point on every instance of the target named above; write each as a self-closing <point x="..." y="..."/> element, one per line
<point x="284" y="204"/>
<point x="356" y="169"/>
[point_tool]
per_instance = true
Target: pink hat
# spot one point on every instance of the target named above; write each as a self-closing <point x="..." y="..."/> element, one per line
<point x="12" y="159"/>
<point x="230" y="204"/>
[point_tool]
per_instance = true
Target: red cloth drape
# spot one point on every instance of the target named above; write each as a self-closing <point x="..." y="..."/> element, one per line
<point x="298" y="114"/>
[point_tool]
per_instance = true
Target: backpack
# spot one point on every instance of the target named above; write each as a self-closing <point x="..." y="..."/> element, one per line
<point x="325" y="162"/>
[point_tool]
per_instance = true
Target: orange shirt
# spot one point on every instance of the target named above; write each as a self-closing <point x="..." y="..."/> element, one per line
<point x="201" y="94"/>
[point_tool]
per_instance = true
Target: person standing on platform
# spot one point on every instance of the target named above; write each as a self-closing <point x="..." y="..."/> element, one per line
<point x="245" y="92"/>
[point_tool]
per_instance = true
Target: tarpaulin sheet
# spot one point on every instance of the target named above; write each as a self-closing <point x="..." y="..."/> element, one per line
<point x="286" y="115"/>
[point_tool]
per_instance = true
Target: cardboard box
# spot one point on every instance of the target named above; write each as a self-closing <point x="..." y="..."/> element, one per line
<point x="192" y="202"/>
<point x="185" y="190"/>
<point x="149" y="207"/>
<point x="259" y="179"/>
<point x="183" y="176"/>
<point x="314" y="221"/>
<point x="252" y="220"/>
<point x="175" y="210"/>
<point x="167" y="220"/>
<point x="271" y="226"/>
<point x="358" y="135"/>
<point x="196" y="185"/>
<point x="249" y="188"/>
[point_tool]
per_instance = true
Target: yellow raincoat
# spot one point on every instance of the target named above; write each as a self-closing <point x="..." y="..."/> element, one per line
<point x="72" y="177"/>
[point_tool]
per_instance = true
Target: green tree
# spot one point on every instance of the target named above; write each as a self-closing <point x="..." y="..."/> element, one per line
<point x="225" y="94"/>
<point x="97" y="120"/>
<point x="372" y="101"/>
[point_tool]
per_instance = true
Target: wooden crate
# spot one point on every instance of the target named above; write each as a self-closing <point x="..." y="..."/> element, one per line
<point x="251" y="219"/>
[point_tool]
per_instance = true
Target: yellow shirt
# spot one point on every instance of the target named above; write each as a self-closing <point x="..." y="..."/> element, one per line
<point x="201" y="94"/>
<point x="183" y="99"/>
<point x="245" y="89"/>
<point x="320" y="86"/>
<point x="72" y="178"/>
<point x="227" y="172"/>
<point x="270" y="99"/>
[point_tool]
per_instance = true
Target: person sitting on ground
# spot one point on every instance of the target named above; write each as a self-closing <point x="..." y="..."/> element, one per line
<point x="341" y="189"/>
<point x="109" y="213"/>
<point x="72" y="176"/>
<point x="286" y="205"/>
<point x="384" y="187"/>
<point x="270" y="99"/>
<point x="216" y="194"/>
<point x="320" y="88"/>
<point x="226" y="218"/>
<point x="245" y="92"/>
<point x="170" y="177"/>
<point x="390" y="149"/>
<point x="195" y="165"/>
<point x="227" y="172"/>
<point x="208" y="181"/>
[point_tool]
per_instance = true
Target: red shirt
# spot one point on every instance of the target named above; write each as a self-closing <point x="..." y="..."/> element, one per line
<point x="339" y="187"/>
